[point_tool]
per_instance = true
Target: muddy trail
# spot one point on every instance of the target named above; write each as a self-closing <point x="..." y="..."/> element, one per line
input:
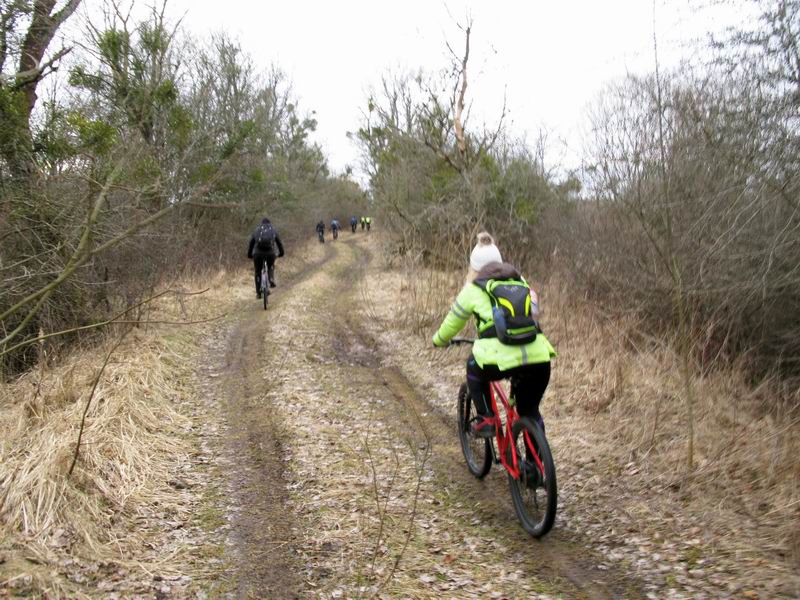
<point x="339" y="479"/>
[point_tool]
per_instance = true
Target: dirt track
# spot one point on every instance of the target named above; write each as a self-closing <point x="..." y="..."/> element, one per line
<point x="341" y="480"/>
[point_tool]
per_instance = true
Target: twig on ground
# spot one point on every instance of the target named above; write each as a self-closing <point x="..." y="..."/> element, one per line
<point x="89" y="399"/>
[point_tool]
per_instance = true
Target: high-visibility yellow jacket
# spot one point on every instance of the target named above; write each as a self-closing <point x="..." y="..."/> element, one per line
<point x="472" y="300"/>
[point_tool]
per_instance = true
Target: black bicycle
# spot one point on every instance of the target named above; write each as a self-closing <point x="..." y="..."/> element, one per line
<point x="265" y="284"/>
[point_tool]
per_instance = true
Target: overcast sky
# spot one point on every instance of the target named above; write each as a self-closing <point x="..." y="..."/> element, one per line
<point x="550" y="56"/>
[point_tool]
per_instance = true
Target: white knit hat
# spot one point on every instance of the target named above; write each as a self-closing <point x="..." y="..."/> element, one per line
<point x="484" y="252"/>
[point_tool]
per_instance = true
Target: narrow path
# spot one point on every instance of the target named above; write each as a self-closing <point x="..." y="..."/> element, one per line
<point x="343" y="481"/>
<point x="263" y="532"/>
<point x="263" y="536"/>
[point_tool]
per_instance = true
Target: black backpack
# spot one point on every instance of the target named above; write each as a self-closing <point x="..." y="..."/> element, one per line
<point x="511" y="311"/>
<point x="265" y="239"/>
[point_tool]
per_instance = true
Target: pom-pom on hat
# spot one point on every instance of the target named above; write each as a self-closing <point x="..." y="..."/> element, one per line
<point x="484" y="252"/>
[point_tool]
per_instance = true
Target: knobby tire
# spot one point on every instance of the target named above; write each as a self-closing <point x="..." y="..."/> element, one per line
<point x="535" y="501"/>
<point x="477" y="451"/>
<point x="264" y="287"/>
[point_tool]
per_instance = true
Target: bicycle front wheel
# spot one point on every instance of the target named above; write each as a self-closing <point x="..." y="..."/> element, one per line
<point x="264" y="287"/>
<point x="534" y="492"/>
<point x="477" y="451"/>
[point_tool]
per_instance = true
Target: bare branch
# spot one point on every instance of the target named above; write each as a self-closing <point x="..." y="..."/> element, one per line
<point x="459" y="103"/>
<point x="84" y="251"/>
<point x="113" y="320"/>
<point x="91" y="396"/>
<point x="34" y="75"/>
<point x="79" y="256"/>
<point x="40" y="34"/>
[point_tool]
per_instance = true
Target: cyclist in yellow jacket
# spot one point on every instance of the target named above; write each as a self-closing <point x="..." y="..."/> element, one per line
<point x="528" y="364"/>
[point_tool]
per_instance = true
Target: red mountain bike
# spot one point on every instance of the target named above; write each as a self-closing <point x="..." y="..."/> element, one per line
<point x="521" y="447"/>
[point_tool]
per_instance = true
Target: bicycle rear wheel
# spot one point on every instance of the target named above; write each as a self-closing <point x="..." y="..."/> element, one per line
<point x="535" y="492"/>
<point x="477" y="451"/>
<point x="264" y="287"/>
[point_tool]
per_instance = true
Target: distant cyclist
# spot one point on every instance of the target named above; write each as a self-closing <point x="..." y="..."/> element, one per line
<point x="368" y="221"/>
<point x="262" y="247"/>
<point x="363" y="223"/>
<point x="321" y="231"/>
<point x="353" y="223"/>
<point x="335" y="228"/>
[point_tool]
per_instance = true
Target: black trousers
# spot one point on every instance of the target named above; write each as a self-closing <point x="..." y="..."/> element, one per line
<point x="258" y="264"/>
<point x="528" y="384"/>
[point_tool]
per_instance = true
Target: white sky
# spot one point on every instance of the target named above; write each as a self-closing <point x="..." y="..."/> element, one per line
<point x="552" y="56"/>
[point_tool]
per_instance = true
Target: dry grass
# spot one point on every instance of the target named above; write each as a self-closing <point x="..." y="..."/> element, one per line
<point x="134" y="435"/>
<point x="747" y="439"/>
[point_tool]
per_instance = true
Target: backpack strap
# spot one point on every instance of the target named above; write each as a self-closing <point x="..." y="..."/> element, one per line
<point x="482" y="283"/>
<point x="489" y="332"/>
<point x="486" y="329"/>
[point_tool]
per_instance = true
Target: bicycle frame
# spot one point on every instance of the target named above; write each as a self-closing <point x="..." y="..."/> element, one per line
<point x="504" y="436"/>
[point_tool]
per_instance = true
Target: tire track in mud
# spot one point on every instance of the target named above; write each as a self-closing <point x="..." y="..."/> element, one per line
<point x="262" y="531"/>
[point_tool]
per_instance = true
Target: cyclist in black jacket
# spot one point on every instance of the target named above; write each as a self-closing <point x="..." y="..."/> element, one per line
<point x="321" y="231"/>
<point x="262" y="248"/>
